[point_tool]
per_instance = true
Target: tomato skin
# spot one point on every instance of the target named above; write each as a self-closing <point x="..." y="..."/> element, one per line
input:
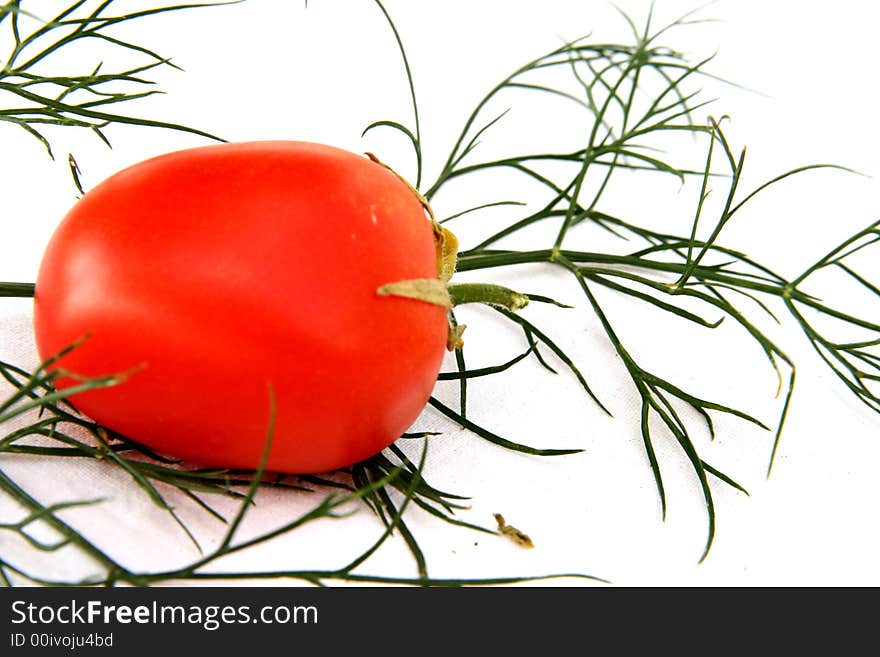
<point x="223" y="269"/>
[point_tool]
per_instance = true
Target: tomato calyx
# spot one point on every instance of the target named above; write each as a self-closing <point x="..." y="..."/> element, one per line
<point x="446" y="244"/>
<point x="429" y="290"/>
<point x="448" y="296"/>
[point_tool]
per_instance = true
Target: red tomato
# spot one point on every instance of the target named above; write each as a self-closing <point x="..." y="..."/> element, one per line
<point x="222" y="269"/>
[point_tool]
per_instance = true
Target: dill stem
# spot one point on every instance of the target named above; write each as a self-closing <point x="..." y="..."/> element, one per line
<point x="469" y="261"/>
<point x="17" y="289"/>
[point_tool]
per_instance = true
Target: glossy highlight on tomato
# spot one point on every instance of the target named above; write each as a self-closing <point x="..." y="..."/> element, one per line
<point x="220" y="270"/>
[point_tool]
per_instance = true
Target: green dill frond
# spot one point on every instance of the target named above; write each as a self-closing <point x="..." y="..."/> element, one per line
<point x="37" y="89"/>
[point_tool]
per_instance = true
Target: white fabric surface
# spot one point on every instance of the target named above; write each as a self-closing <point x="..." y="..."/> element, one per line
<point x="271" y="70"/>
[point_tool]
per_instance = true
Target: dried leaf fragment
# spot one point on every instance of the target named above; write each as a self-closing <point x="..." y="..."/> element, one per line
<point x="513" y="533"/>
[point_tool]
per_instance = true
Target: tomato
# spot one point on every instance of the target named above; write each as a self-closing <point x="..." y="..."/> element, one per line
<point x="216" y="271"/>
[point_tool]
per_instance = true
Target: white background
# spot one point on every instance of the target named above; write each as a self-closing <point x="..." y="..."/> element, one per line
<point x="268" y="69"/>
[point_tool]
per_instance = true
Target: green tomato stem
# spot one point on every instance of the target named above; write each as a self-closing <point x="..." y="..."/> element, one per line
<point x="493" y="295"/>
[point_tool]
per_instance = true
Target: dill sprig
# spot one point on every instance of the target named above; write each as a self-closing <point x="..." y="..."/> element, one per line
<point x="623" y="135"/>
<point x="38" y="91"/>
